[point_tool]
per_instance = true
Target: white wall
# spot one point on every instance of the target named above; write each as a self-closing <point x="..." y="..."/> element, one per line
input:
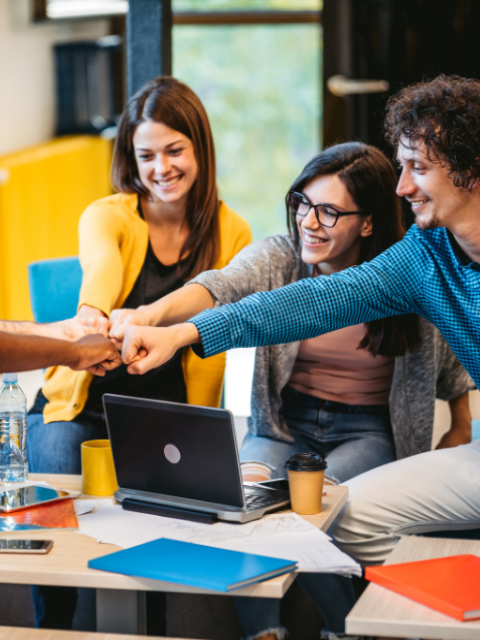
<point x="27" y="85"/>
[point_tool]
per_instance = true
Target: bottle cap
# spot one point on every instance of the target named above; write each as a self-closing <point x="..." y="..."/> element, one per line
<point x="10" y="377"/>
<point x="306" y="462"/>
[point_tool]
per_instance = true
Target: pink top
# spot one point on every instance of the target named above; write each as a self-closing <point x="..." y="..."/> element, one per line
<point x="331" y="367"/>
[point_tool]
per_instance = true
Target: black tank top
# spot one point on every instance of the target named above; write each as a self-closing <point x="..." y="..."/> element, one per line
<point x="154" y="281"/>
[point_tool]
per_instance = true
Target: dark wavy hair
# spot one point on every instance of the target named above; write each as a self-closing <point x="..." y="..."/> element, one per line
<point x="444" y="113"/>
<point x="370" y="179"/>
<point x="172" y="103"/>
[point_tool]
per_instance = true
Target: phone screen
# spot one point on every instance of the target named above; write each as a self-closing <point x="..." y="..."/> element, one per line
<point x="24" y="497"/>
<point x="280" y="484"/>
<point x="26" y="545"/>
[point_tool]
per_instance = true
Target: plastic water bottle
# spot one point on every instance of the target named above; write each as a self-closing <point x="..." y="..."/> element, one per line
<point x="13" y="431"/>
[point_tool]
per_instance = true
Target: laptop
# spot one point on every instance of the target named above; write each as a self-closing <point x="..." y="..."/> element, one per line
<point x="181" y="457"/>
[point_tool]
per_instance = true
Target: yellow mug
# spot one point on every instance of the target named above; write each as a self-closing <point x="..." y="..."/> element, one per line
<point x="98" y="472"/>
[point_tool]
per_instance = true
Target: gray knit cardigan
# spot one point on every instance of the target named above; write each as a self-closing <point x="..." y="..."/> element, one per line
<point x="430" y="371"/>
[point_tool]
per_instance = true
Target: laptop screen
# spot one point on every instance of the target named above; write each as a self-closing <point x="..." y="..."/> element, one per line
<point x="174" y="449"/>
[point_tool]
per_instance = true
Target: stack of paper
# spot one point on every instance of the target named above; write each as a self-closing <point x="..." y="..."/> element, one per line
<point x="284" y="535"/>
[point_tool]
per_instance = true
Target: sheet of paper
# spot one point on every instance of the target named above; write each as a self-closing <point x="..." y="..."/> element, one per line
<point x="127" y="528"/>
<point x="274" y="524"/>
<point x="286" y="536"/>
<point x="89" y="506"/>
<point x="313" y="551"/>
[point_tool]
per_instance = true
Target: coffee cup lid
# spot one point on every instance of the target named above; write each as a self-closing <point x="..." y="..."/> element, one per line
<point x="306" y="462"/>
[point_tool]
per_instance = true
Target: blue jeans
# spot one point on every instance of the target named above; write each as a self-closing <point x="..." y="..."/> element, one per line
<point x="353" y="439"/>
<point x="55" y="448"/>
<point x="333" y="596"/>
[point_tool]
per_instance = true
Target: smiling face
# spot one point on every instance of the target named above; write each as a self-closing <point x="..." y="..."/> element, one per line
<point x="428" y="187"/>
<point x="338" y="247"/>
<point x="166" y="162"/>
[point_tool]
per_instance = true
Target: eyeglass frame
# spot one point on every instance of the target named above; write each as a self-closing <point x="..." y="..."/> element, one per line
<point x="338" y="213"/>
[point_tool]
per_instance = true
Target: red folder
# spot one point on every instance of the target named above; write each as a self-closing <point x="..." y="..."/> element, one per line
<point x="450" y="585"/>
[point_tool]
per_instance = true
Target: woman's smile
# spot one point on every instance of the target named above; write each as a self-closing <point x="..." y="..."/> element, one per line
<point x="168" y="184"/>
<point x="309" y="239"/>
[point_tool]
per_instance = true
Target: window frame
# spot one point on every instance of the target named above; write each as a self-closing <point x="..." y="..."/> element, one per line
<point x="238" y="17"/>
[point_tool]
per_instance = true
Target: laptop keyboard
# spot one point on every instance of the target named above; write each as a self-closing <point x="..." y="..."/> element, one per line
<point x="254" y="501"/>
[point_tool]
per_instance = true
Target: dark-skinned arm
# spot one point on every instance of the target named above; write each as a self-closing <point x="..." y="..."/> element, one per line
<point x="461" y="426"/>
<point x="70" y="329"/>
<point x="26" y="352"/>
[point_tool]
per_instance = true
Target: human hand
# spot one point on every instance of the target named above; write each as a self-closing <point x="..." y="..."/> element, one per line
<point x="454" y="438"/>
<point x="93" y="319"/>
<point x="461" y="426"/>
<point x="94" y="324"/>
<point x="93" y="353"/>
<point x="145" y="348"/>
<point x="121" y="318"/>
<point x="71" y="329"/>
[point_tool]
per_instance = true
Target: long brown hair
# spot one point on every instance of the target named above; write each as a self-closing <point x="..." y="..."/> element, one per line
<point x="172" y="103"/>
<point x="370" y="179"/>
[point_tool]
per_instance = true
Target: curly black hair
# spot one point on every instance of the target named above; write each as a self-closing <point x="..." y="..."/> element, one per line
<point x="444" y="113"/>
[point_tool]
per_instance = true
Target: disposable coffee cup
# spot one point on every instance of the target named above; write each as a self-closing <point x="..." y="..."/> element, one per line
<point x="306" y="472"/>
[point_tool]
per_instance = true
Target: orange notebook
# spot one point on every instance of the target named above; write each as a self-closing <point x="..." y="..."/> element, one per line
<point x="450" y="585"/>
<point x="54" y="515"/>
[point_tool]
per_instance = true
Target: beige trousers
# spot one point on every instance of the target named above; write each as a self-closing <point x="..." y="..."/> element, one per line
<point x="434" y="491"/>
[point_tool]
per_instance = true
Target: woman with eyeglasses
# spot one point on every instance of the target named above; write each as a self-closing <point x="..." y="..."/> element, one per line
<point x="360" y="396"/>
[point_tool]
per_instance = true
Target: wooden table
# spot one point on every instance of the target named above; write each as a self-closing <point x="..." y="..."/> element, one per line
<point x="380" y="612"/>
<point x="121" y="602"/>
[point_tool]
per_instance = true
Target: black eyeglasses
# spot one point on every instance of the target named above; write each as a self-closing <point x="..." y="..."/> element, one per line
<point x="325" y="214"/>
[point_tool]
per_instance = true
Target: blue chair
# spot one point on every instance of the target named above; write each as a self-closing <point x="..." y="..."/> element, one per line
<point x="475" y="429"/>
<point x="54" y="288"/>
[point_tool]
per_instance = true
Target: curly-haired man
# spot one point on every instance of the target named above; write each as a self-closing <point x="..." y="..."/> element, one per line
<point x="435" y="127"/>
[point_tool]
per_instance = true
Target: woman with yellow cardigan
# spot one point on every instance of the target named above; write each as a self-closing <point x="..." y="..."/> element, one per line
<point x="165" y="226"/>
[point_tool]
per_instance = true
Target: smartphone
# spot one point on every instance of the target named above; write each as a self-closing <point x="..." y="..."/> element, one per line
<point x="281" y="484"/>
<point x="13" y="545"/>
<point x="278" y="488"/>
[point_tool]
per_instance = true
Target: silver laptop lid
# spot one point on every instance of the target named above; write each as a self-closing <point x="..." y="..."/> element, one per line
<point x="181" y="451"/>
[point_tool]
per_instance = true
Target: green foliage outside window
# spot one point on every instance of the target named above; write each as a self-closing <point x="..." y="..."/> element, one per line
<point x="261" y="88"/>
<point x="238" y="5"/>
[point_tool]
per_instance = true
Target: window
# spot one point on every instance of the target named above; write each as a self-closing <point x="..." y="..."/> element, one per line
<point x="63" y="9"/>
<point x="261" y="86"/>
<point x="251" y="5"/>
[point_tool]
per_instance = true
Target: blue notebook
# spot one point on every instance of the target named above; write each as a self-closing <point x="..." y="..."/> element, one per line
<point x="193" y="564"/>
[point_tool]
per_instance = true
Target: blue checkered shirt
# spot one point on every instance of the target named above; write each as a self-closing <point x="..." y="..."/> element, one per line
<point x="424" y="274"/>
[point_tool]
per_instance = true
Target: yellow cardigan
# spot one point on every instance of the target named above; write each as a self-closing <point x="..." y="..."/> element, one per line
<point x="113" y="242"/>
